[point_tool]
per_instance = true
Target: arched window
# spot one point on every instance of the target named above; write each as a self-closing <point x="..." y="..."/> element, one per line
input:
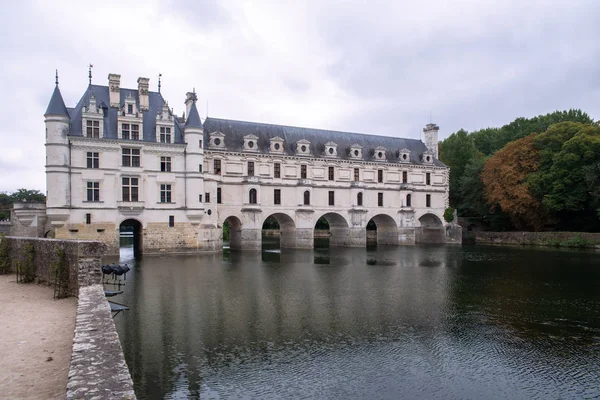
<point x="408" y="200"/>
<point x="359" y="199"/>
<point x="252" y="196"/>
<point x="306" y="198"/>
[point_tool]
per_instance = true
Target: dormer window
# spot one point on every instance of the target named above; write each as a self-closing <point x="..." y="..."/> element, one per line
<point x="355" y="152"/>
<point x="251" y="143"/>
<point x="379" y="153"/>
<point x="427" y="157"/>
<point x="330" y="149"/>
<point x="276" y="145"/>
<point x="216" y="140"/>
<point x="130" y="109"/>
<point x="303" y="147"/>
<point x="404" y="155"/>
<point x="130" y="131"/>
<point x="165" y="134"/>
<point x="92" y="119"/>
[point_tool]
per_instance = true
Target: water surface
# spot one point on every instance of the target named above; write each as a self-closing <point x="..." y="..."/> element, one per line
<point x="386" y="323"/>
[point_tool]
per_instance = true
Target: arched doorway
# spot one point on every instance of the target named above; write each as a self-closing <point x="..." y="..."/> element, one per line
<point x="382" y="230"/>
<point x="232" y="233"/>
<point x="278" y="231"/>
<point x="131" y="237"/>
<point x="431" y="230"/>
<point x="338" y="230"/>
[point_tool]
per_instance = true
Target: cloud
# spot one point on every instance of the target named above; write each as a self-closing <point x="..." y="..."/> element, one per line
<point x="365" y="66"/>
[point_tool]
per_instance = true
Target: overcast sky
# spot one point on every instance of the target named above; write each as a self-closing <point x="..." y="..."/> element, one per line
<point x="382" y="67"/>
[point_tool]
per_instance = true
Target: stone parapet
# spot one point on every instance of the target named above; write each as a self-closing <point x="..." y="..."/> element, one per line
<point x="98" y="369"/>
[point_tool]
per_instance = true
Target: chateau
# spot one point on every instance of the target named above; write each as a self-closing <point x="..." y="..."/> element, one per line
<point x="120" y="157"/>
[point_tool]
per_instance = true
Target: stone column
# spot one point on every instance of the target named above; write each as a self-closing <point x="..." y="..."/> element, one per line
<point x="387" y="235"/>
<point x="251" y="239"/>
<point x="287" y="239"/>
<point x="305" y="238"/>
<point x="89" y="263"/>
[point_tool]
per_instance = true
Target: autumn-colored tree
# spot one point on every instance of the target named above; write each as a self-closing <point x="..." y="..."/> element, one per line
<point x="506" y="185"/>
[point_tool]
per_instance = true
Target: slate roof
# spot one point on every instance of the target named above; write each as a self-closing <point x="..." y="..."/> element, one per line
<point x="57" y="104"/>
<point x="193" y="120"/>
<point x="235" y="131"/>
<point x="102" y="95"/>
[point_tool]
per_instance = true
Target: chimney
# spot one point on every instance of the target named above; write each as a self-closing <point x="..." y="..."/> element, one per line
<point x="190" y="97"/>
<point x="143" y="93"/>
<point x="431" y="138"/>
<point x="114" y="85"/>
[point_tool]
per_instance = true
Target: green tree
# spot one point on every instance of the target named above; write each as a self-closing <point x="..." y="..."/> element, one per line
<point x="28" y="196"/>
<point x="455" y="152"/>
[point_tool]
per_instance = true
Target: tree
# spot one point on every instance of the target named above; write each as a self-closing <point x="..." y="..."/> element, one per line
<point x="455" y="152"/>
<point x="566" y="182"/>
<point x="28" y="196"/>
<point x="505" y="180"/>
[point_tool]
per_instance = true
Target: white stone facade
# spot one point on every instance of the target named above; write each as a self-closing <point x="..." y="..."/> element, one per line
<point x="180" y="179"/>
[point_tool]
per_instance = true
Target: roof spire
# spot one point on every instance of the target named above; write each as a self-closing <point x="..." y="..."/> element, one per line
<point x="56" y="78"/>
<point x="159" y="75"/>
<point x="90" y="72"/>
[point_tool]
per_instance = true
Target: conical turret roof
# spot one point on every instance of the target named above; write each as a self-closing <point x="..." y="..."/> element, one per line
<point x="193" y="120"/>
<point x="57" y="105"/>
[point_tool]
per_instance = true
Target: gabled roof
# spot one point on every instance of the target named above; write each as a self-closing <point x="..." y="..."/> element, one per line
<point x="236" y="130"/>
<point x="193" y="120"/>
<point x="56" y="105"/>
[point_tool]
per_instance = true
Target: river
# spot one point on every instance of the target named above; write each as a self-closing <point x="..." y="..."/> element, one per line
<point x="408" y="322"/>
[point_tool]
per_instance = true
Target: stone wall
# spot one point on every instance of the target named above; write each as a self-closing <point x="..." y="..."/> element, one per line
<point x="97" y="369"/>
<point x="559" y="239"/>
<point x="82" y="257"/>
<point x="28" y="220"/>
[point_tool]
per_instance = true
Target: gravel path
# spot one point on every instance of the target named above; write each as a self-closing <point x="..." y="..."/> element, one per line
<point x="36" y="338"/>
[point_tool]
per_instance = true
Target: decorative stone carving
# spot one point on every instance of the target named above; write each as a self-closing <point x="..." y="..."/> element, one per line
<point x="379" y="153"/>
<point x="355" y="152"/>
<point x="276" y="145"/>
<point x="303" y="147"/>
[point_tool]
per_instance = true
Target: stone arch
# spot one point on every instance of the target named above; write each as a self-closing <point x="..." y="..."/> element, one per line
<point x="431" y="229"/>
<point x="287" y="229"/>
<point x="235" y="232"/>
<point x="387" y="229"/>
<point x="339" y="229"/>
<point x="138" y="234"/>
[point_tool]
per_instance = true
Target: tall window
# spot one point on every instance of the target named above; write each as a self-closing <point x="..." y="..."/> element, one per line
<point x="404" y="177"/>
<point x="427" y="200"/>
<point x="356" y="174"/>
<point x="331" y="173"/>
<point x="331" y="198"/>
<point x="93" y="191"/>
<point x="129" y="108"/>
<point x="428" y="178"/>
<point x="165" y="164"/>
<point x="277" y="170"/>
<point x="171" y="221"/>
<point x="252" y="196"/>
<point x="380" y="175"/>
<point x="277" y="196"/>
<point x="359" y="199"/>
<point x="207" y="197"/>
<point x="93" y="159"/>
<point x="199" y="198"/>
<point x="218" y="195"/>
<point x="199" y="167"/>
<point x="130" y="189"/>
<point x="217" y="166"/>
<point x="93" y="129"/>
<point x="306" y="198"/>
<point x="135" y="132"/>
<point x="380" y="199"/>
<point x="165" y="134"/>
<point x="165" y="193"/>
<point x="131" y="157"/>
<point x="250" y="168"/>
<point x="303" y="171"/>
<point x="408" y="200"/>
<point x="88" y="218"/>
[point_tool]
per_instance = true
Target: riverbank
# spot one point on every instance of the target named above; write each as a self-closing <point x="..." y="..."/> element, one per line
<point x="584" y="240"/>
<point x="37" y="339"/>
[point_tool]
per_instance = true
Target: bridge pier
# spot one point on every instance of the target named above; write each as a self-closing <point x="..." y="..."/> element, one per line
<point x="251" y="239"/>
<point x="347" y="237"/>
<point x="305" y="238"/>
